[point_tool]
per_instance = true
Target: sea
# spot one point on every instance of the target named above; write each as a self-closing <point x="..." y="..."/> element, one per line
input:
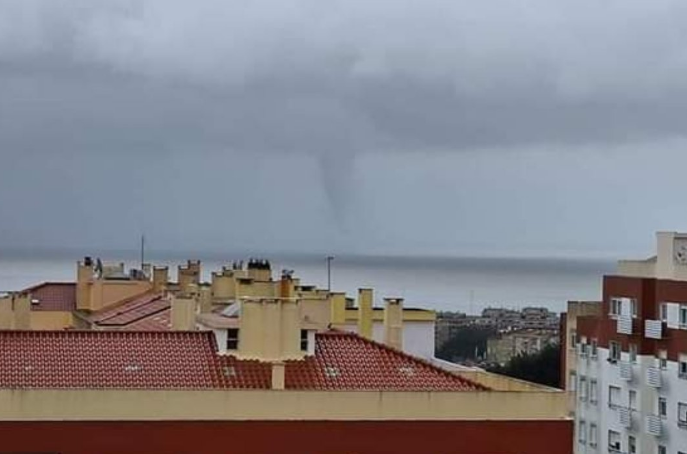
<point x="441" y="283"/>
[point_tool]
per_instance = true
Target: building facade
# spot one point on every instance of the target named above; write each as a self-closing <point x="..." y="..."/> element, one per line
<point x="630" y="360"/>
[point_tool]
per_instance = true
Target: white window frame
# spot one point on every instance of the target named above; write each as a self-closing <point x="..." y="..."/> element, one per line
<point x="663" y="312"/>
<point x="614" y="391"/>
<point x="593" y="391"/>
<point x="662" y="359"/>
<point x="618" y="444"/>
<point x="662" y="407"/>
<point x="634" y="306"/>
<point x="572" y="380"/>
<point x="615" y="307"/>
<point x="682" y="316"/>
<point x="682" y="415"/>
<point x="632" y="403"/>
<point x="682" y="366"/>
<point x="582" y="388"/>
<point x="633" y="351"/>
<point x="582" y="432"/>
<point x="616" y="347"/>
<point x="631" y="445"/>
<point x="594" y="348"/>
<point x="593" y="434"/>
<point x="660" y="449"/>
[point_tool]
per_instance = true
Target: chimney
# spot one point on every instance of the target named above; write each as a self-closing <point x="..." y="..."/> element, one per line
<point x="183" y="313"/>
<point x="188" y="274"/>
<point x="84" y="279"/>
<point x="286" y="285"/>
<point x="6" y="312"/>
<point x="205" y="299"/>
<point x="338" y="305"/>
<point x="393" y="322"/>
<point x="160" y="278"/>
<point x="365" y="312"/>
<point x="278" y="374"/>
<point x="223" y="285"/>
<point x="22" y="312"/>
<point x="269" y="329"/>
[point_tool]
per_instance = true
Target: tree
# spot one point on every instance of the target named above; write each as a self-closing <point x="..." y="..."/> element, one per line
<point x="468" y="343"/>
<point x="542" y="367"/>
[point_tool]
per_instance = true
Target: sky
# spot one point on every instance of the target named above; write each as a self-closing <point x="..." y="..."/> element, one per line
<point x="397" y="127"/>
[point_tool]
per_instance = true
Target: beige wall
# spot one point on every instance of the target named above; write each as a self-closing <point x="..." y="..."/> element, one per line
<point x="575" y="309"/>
<point x="51" y="320"/>
<point x="15" y="312"/>
<point x="502" y="383"/>
<point x="142" y="405"/>
<point x="104" y="293"/>
<point x="269" y="330"/>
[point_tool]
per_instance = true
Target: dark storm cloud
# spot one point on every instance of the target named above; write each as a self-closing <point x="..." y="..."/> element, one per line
<point x="332" y="81"/>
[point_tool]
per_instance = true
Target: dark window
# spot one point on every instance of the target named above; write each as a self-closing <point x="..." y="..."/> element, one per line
<point x="304" y="340"/>
<point x="232" y="339"/>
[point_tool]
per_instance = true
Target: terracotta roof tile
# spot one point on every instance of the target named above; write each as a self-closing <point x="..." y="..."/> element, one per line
<point x="53" y="296"/>
<point x="131" y="311"/>
<point x="189" y="360"/>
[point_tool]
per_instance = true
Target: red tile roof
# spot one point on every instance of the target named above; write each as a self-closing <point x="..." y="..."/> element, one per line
<point x="188" y="360"/>
<point x="53" y="296"/>
<point x="148" y="312"/>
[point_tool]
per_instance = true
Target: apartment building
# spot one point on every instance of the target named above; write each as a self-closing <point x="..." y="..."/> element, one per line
<point x="502" y="348"/>
<point x="261" y="379"/>
<point x="630" y="359"/>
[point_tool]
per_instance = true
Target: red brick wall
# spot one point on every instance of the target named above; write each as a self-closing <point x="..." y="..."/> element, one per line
<point x="423" y="437"/>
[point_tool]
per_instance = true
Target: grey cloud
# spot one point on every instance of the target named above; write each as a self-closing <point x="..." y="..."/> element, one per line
<point x="205" y="97"/>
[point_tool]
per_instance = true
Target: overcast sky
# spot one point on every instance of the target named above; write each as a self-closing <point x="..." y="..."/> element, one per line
<point x="453" y="127"/>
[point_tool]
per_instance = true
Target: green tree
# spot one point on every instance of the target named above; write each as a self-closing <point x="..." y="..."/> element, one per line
<point x="468" y="343"/>
<point x="542" y="367"/>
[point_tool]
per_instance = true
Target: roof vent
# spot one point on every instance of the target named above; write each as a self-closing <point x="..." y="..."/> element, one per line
<point x="331" y="372"/>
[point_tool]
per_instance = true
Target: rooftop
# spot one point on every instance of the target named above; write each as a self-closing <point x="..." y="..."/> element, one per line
<point x="148" y="312"/>
<point x="53" y="296"/>
<point x="189" y="360"/>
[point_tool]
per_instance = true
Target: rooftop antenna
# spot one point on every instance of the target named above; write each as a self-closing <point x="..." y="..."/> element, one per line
<point x="329" y="272"/>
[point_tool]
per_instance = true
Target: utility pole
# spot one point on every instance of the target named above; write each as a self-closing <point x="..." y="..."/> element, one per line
<point x="329" y="272"/>
<point x="143" y="249"/>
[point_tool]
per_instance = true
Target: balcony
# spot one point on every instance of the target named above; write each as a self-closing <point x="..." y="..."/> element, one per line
<point x="625" y="370"/>
<point x="653" y="329"/>
<point x="653" y="377"/>
<point x="654" y="425"/>
<point x="624" y="324"/>
<point x="625" y="417"/>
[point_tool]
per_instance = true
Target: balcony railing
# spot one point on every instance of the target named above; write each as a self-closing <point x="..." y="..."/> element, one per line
<point x="625" y="417"/>
<point x="654" y="425"/>
<point x="653" y="377"/>
<point x="624" y="324"/>
<point x="653" y="329"/>
<point x="625" y="370"/>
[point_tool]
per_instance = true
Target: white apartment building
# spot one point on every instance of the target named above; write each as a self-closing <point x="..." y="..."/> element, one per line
<point x="627" y="365"/>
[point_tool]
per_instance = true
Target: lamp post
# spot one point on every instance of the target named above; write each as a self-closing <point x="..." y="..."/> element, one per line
<point x="329" y="272"/>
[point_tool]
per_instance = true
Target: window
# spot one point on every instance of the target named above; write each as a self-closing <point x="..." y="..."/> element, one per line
<point x="633" y="308"/>
<point x="573" y="338"/>
<point x="662" y="359"/>
<point x="614" y="351"/>
<point x="304" y="340"/>
<point x="616" y="306"/>
<point x="682" y="366"/>
<point x="593" y="434"/>
<point x="683" y="316"/>
<point x="232" y="339"/>
<point x="613" y="396"/>
<point x="663" y="312"/>
<point x="582" y="432"/>
<point x="633" y="399"/>
<point x="595" y="348"/>
<point x="631" y="445"/>
<point x="682" y="414"/>
<point x="613" y="441"/>
<point x="662" y="407"/>
<point x="572" y="381"/>
<point x="661" y="450"/>
<point x="633" y="353"/>
<point x="582" y="389"/>
<point x="593" y="391"/>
